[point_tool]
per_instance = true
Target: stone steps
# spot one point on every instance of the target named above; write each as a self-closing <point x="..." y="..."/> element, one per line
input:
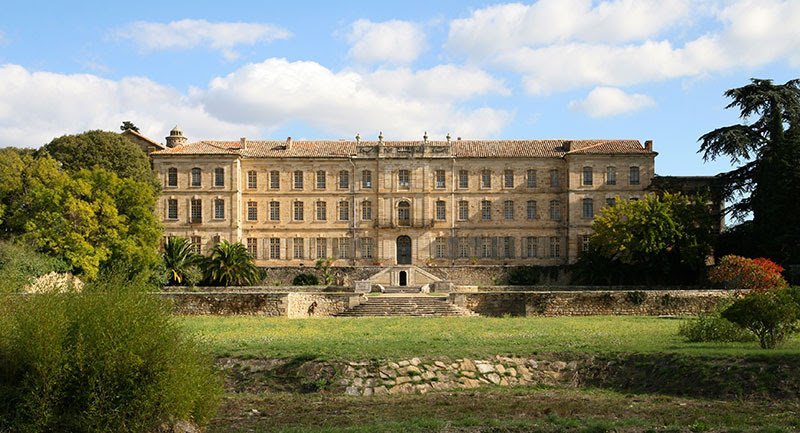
<point x="402" y="289"/>
<point x="406" y="306"/>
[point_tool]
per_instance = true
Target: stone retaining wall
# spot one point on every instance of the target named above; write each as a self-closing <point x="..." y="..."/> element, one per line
<point x="301" y="305"/>
<point x="292" y="305"/>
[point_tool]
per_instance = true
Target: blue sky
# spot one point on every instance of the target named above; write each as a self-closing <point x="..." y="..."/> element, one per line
<point x="548" y="69"/>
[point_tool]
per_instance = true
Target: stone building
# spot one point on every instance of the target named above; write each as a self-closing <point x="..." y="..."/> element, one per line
<point x="386" y="203"/>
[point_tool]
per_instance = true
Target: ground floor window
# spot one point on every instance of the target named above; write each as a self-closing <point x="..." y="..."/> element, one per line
<point x="322" y="248"/>
<point x="367" y="247"/>
<point x="274" y="248"/>
<point x="252" y="247"/>
<point x="297" y="248"/>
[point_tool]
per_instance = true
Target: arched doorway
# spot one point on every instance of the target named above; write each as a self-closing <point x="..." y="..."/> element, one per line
<point x="403" y="278"/>
<point x="403" y="250"/>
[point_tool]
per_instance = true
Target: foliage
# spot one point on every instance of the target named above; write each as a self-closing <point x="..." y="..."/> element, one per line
<point x="20" y="264"/>
<point x="102" y="149"/>
<point x="740" y="273"/>
<point x="305" y="280"/>
<point x="531" y="275"/>
<point x="771" y="315"/>
<point x="713" y="327"/>
<point x="324" y="268"/>
<point x="230" y="264"/>
<point x="127" y="124"/>
<point x="663" y="239"/>
<point x="180" y="261"/>
<point x="767" y="152"/>
<point x="112" y="358"/>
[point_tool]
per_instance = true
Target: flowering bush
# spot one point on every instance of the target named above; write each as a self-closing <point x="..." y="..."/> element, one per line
<point x="741" y="273"/>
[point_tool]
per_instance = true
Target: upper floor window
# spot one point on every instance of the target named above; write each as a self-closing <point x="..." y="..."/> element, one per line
<point x="274" y="179"/>
<point x="252" y="179"/>
<point x="172" y="177"/>
<point x="298" y="179"/>
<point x="463" y="179"/>
<point x="508" y="209"/>
<point x="554" y="179"/>
<point x="172" y="209"/>
<point x="588" y="176"/>
<point x="321" y="183"/>
<point x="219" y="176"/>
<point x="252" y="211"/>
<point x="508" y="179"/>
<point x="274" y="211"/>
<point x="404" y="213"/>
<point x="344" y="179"/>
<point x="196" y="210"/>
<point x="531" y="209"/>
<point x="219" y="209"/>
<point x="531" y="179"/>
<point x="298" y="214"/>
<point x="633" y="177"/>
<point x="486" y="179"/>
<point x="366" y="179"/>
<point x="611" y="176"/>
<point x="441" y="211"/>
<point x="344" y="210"/>
<point x="366" y="210"/>
<point x="486" y="210"/>
<point x="322" y="211"/>
<point x="404" y="179"/>
<point x="588" y="208"/>
<point x="439" y="179"/>
<point x="196" y="177"/>
<point x="555" y="210"/>
<point x="463" y="210"/>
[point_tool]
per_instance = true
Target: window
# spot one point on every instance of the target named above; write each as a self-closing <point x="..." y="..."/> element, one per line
<point x="633" y="176"/>
<point x="587" y="208"/>
<point x="463" y="248"/>
<point x="485" y="247"/>
<point x="196" y="244"/>
<point x="172" y="177"/>
<point x="252" y="211"/>
<point x="172" y="209"/>
<point x="321" y="184"/>
<point x="508" y="209"/>
<point x="366" y="179"/>
<point x="584" y="240"/>
<point x="196" y="211"/>
<point x="252" y="179"/>
<point x="587" y="176"/>
<point x="555" y="247"/>
<point x="298" y="248"/>
<point x="344" y="210"/>
<point x="366" y="210"/>
<point x="555" y="210"/>
<point x="274" y="179"/>
<point x="531" y="179"/>
<point x="508" y="179"/>
<point x="298" y="211"/>
<point x="611" y="201"/>
<point x="322" y="248"/>
<point x="404" y="213"/>
<point x="219" y="176"/>
<point x="343" y="250"/>
<point x="322" y="211"/>
<point x="440" y="248"/>
<point x="252" y="247"/>
<point x="611" y="176"/>
<point x="439" y="179"/>
<point x="508" y="247"/>
<point x="531" y="247"/>
<point x="441" y="211"/>
<point x="274" y="248"/>
<point x="274" y="211"/>
<point x="531" y="210"/>
<point x="486" y="210"/>
<point x="344" y="179"/>
<point x="219" y="209"/>
<point x="367" y="247"/>
<point x="403" y="179"/>
<point x="463" y="179"/>
<point x="298" y="179"/>
<point x="463" y="210"/>
<point x="486" y="179"/>
<point x="196" y="177"/>
<point x="554" y="178"/>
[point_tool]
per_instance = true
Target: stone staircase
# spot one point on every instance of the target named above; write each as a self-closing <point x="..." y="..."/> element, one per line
<point x="408" y="306"/>
<point x="401" y="289"/>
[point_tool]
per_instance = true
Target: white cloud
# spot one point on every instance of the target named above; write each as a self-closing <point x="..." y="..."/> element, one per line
<point x="35" y="107"/>
<point x="187" y="33"/>
<point x="448" y="82"/>
<point x="396" y="42"/>
<point x="277" y="91"/>
<point x="610" y="101"/>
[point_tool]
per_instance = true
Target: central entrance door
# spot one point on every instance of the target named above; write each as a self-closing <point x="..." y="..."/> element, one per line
<point x="403" y="250"/>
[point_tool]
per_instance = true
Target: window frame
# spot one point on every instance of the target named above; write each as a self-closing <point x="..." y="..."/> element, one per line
<point x="196" y="177"/>
<point x="252" y="179"/>
<point x="219" y="177"/>
<point x="587" y="176"/>
<point x="172" y="177"/>
<point x="440" y="210"/>
<point x="486" y="210"/>
<point x="320" y="210"/>
<point x="297" y="180"/>
<point x="219" y="204"/>
<point x="508" y="178"/>
<point x="274" y="210"/>
<point x="320" y="181"/>
<point x="298" y="209"/>
<point x="252" y="211"/>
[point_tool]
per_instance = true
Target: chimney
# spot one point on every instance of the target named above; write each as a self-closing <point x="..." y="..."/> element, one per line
<point x="648" y="145"/>
<point x="288" y="143"/>
<point x="243" y="143"/>
<point x="380" y="137"/>
<point x="358" y="138"/>
<point x="425" y="137"/>
<point x="567" y="145"/>
<point x="448" y="137"/>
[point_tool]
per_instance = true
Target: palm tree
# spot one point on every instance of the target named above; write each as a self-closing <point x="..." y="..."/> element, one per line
<point x="180" y="261"/>
<point x="230" y="264"/>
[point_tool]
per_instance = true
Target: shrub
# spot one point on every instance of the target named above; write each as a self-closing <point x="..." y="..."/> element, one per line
<point x="305" y="280"/>
<point x="741" y="273"/>
<point x="20" y="265"/>
<point x="531" y="275"/>
<point x="230" y="264"/>
<point x="111" y="358"/>
<point x="771" y="316"/>
<point x="713" y="327"/>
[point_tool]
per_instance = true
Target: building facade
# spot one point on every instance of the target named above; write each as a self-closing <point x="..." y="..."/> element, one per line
<point x="397" y="202"/>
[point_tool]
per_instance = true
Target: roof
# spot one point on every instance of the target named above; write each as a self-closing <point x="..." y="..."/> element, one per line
<point x="140" y="136"/>
<point x="459" y="148"/>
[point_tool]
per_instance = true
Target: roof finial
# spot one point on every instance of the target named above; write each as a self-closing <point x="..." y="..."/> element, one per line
<point x="380" y="136"/>
<point x="358" y="137"/>
<point x="448" y="137"/>
<point x="425" y="137"/>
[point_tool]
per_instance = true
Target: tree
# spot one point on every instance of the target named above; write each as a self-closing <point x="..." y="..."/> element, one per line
<point x="767" y="152"/>
<point x="127" y="124"/>
<point x="771" y="315"/>
<point x="741" y="273"/>
<point x="101" y="149"/>
<point x="180" y="261"/>
<point x="230" y="264"/>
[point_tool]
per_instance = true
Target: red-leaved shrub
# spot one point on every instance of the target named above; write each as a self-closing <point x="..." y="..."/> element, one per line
<point x="741" y="273"/>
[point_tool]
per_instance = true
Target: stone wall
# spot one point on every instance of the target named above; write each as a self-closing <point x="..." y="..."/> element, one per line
<point x="301" y="305"/>
<point x="224" y="304"/>
<point x="645" y="303"/>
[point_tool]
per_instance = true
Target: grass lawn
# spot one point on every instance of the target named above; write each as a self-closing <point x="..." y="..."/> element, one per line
<point x="394" y="338"/>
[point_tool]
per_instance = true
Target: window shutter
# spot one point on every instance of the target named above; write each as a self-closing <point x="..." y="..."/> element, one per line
<point x="288" y="248"/>
<point x="312" y="248"/>
<point x="357" y="248"/>
<point x="476" y="252"/>
<point x="451" y="252"/>
<point x="494" y="247"/>
<point x="511" y="249"/>
<point x="335" y="245"/>
<point x="542" y="247"/>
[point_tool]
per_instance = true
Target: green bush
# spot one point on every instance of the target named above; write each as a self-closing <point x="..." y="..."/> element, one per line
<point x="20" y="264"/>
<point x="109" y="359"/>
<point x="771" y="315"/>
<point x="531" y="275"/>
<point x="305" y="280"/>
<point x="713" y="327"/>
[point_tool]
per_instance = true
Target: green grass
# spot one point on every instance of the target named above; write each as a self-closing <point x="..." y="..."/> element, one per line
<point x="393" y="338"/>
